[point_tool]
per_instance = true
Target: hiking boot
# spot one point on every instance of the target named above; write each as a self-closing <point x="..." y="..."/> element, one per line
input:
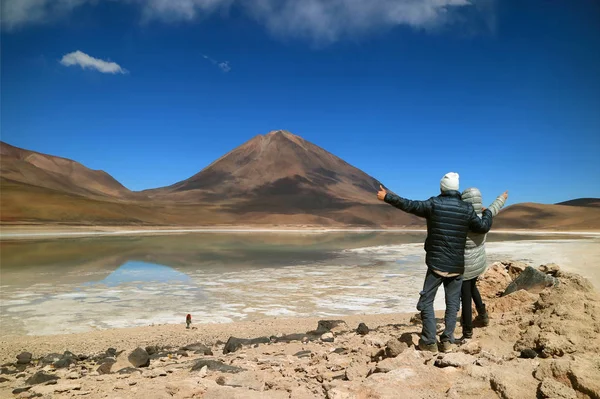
<point x="428" y="347"/>
<point x="482" y="319"/>
<point x="447" y="346"/>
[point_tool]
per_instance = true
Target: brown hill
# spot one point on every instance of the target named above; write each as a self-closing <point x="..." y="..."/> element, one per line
<point x="593" y="202"/>
<point x="281" y="176"/>
<point x="60" y="174"/>
<point x="273" y="179"/>
<point x="551" y="217"/>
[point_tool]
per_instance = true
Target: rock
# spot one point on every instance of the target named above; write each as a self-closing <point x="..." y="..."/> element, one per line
<point x="149" y="373"/>
<point x="73" y="375"/>
<point x="410" y="339"/>
<point x="550" y="344"/>
<point x="551" y="268"/>
<point x="3" y="380"/>
<point x="416" y="319"/>
<point x="584" y="377"/>
<point x="471" y="348"/>
<point x="64" y="362"/>
<point x="362" y="329"/>
<point x="294" y="337"/>
<point x="394" y="347"/>
<point x="5" y="370"/>
<point x="528" y="353"/>
<point x="550" y="388"/>
<point x="234" y="344"/>
<point x="327" y="337"/>
<point x="160" y="372"/>
<point x="40" y="377"/>
<point x="494" y="281"/>
<point x="198" y="348"/>
<point x="215" y="365"/>
<point x="139" y="358"/>
<point x="357" y="371"/>
<point x="51" y="358"/>
<point x="409" y="357"/>
<point x="246" y="379"/>
<point x="531" y="280"/>
<point x="151" y="350"/>
<point x="512" y="382"/>
<point x="112" y="352"/>
<point x="558" y="369"/>
<point x="67" y="387"/>
<point x="335" y="326"/>
<point x="24" y="358"/>
<point x="105" y="367"/>
<point x="455" y="359"/>
<point x="203" y="371"/>
<point x="128" y="370"/>
<point x="17" y="391"/>
<point x="302" y="354"/>
<point x="515" y="268"/>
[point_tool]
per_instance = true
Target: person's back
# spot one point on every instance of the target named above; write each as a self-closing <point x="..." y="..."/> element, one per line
<point x="475" y="256"/>
<point x="448" y="224"/>
<point x="449" y="220"/>
<point x="475" y="264"/>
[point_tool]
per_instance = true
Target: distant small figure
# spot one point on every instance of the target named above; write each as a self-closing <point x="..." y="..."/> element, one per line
<point x="188" y="320"/>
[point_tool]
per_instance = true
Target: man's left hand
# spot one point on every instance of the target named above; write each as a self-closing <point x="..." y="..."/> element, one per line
<point x="382" y="193"/>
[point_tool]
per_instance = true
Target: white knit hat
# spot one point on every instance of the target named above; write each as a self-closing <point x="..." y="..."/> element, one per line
<point x="449" y="182"/>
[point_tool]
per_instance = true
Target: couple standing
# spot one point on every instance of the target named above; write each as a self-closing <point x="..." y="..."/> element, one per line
<point x="457" y="225"/>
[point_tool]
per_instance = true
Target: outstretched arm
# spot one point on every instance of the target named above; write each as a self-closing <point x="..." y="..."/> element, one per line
<point x="419" y="208"/>
<point x="498" y="204"/>
<point x="480" y="225"/>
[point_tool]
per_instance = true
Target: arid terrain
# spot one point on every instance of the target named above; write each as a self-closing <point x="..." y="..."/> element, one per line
<point x="273" y="180"/>
<point x="543" y="341"/>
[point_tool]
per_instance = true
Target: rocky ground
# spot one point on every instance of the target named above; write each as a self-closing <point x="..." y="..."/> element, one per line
<point x="543" y="341"/>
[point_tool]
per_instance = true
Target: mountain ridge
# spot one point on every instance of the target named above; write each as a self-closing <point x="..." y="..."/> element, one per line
<point x="273" y="179"/>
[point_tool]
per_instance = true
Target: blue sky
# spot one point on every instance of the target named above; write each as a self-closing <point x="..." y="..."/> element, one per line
<point x="506" y="93"/>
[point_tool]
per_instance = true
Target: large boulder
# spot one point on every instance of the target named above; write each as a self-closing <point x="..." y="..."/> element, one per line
<point x="139" y="358"/>
<point x="531" y="280"/>
<point x="24" y="358"/>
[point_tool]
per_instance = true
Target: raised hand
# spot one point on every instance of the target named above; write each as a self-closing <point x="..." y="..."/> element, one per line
<point x="381" y="194"/>
<point x="505" y="195"/>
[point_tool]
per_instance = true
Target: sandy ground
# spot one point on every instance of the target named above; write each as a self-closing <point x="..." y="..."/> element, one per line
<point x="176" y="334"/>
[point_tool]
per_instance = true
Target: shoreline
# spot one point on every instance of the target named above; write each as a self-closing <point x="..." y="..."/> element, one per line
<point x="36" y="232"/>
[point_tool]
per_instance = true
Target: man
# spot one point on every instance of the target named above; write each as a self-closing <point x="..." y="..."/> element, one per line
<point x="449" y="220"/>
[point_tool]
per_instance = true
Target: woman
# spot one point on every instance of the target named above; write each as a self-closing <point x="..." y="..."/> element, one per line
<point x="475" y="264"/>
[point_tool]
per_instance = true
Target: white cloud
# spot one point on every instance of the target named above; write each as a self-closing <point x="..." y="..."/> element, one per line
<point x="87" y="61"/>
<point x="322" y="21"/>
<point x="224" y="66"/>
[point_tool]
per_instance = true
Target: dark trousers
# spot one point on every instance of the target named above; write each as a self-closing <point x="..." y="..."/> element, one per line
<point x="469" y="292"/>
<point x="452" y="289"/>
